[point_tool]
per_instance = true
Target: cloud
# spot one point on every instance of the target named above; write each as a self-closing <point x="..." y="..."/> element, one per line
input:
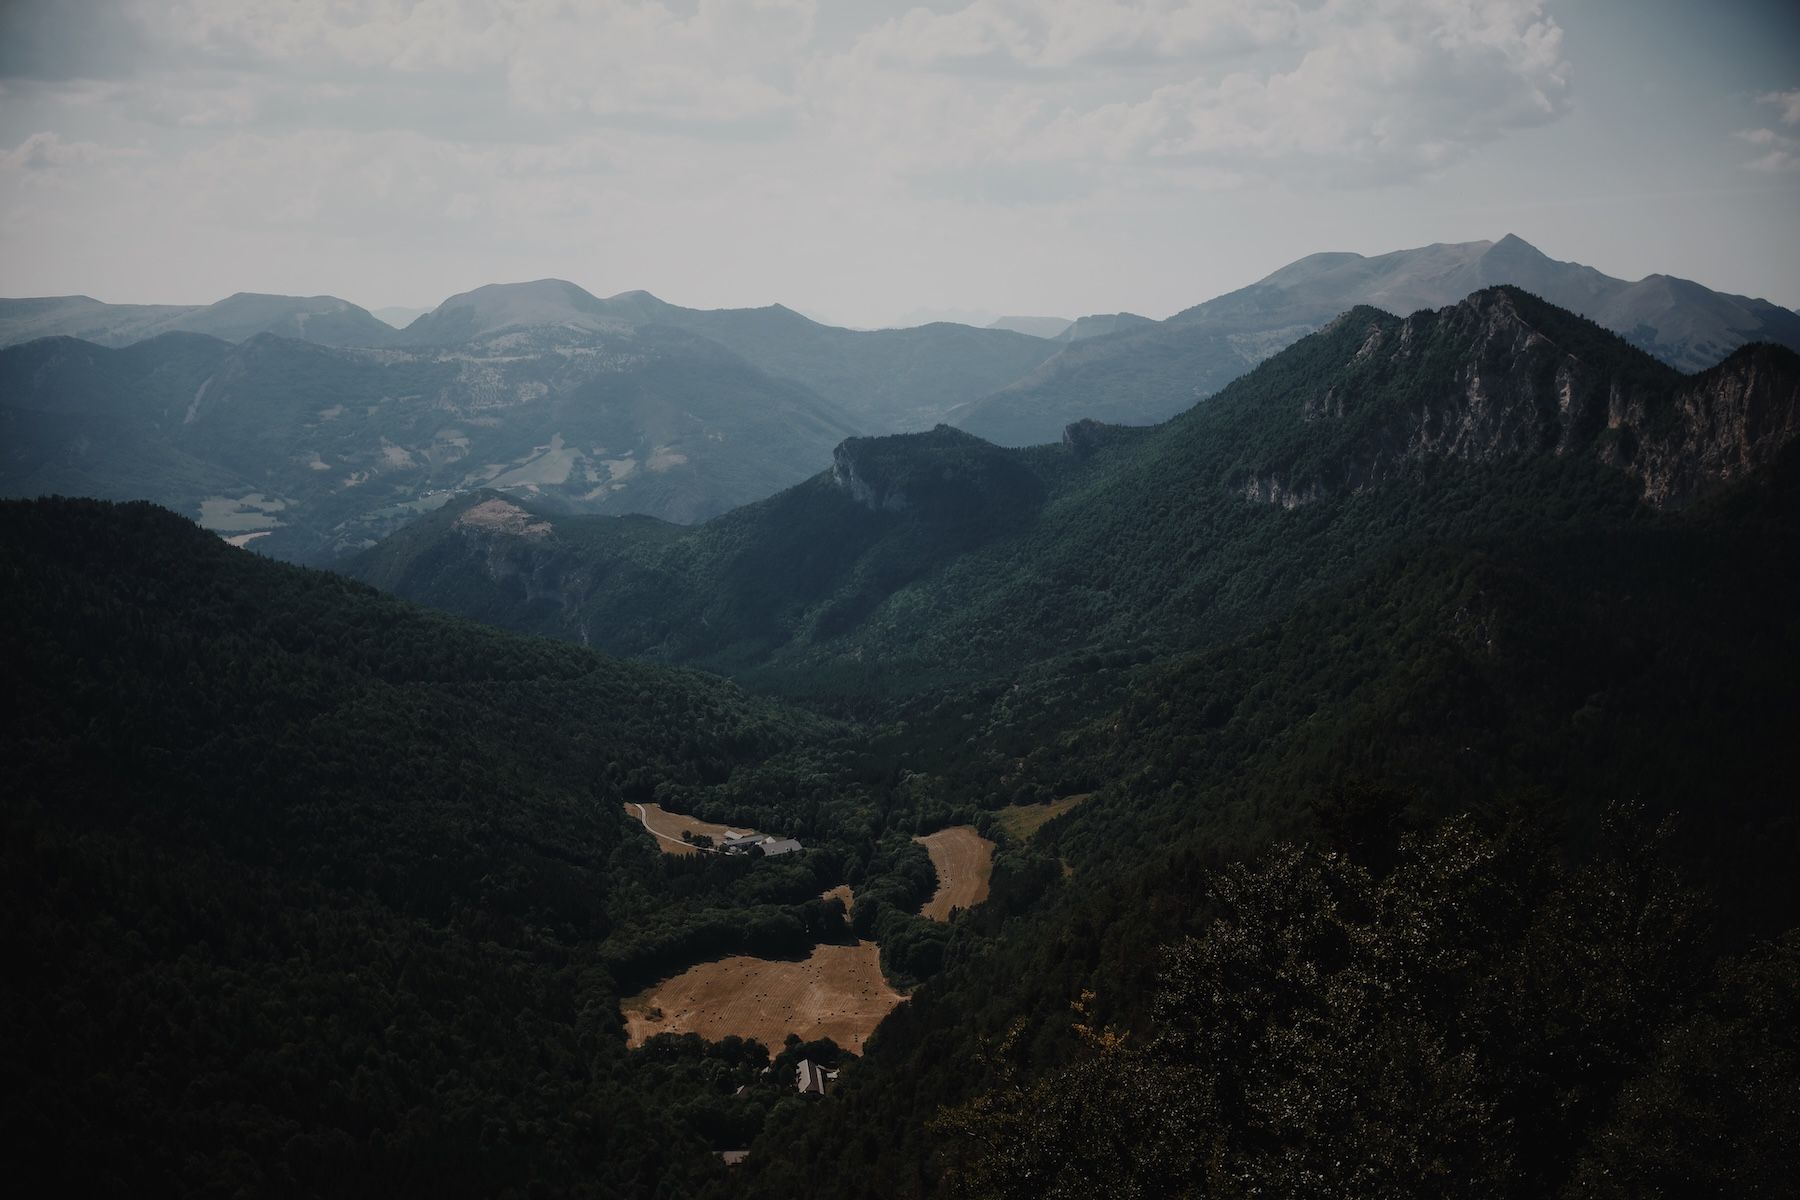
<point x="1787" y="102"/>
<point x="726" y="61"/>
<point x="48" y="151"/>
<point x="1781" y="153"/>
<point x="1052" y="34"/>
<point x="1377" y="91"/>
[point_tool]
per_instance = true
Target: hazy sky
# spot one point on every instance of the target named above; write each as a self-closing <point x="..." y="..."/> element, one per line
<point x="861" y="160"/>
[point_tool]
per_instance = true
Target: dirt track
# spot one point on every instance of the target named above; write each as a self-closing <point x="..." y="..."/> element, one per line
<point x="964" y="860"/>
<point x="666" y="827"/>
<point x="838" y="992"/>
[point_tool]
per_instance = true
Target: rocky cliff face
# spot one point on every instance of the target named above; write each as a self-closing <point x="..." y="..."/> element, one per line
<point x="1725" y="423"/>
<point x="945" y="473"/>
<point x="861" y="477"/>
<point x="518" y="552"/>
<point x="1503" y="376"/>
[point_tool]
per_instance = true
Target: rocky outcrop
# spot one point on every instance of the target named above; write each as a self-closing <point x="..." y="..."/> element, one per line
<point x="861" y="478"/>
<point x="1503" y="376"/>
<point x="1083" y="438"/>
<point x="939" y="475"/>
<point x="1722" y="425"/>
<point x="518" y="552"/>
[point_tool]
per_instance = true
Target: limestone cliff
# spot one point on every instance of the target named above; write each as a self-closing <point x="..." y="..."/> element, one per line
<point x="1503" y="375"/>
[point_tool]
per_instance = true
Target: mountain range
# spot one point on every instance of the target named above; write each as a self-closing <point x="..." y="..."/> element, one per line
<point x="316" y="428"/>
<point x="954" y="554"/>
<point x="322" y="319"/>
<point x="1415" y="710"/>
<point x="1141" y="372"/>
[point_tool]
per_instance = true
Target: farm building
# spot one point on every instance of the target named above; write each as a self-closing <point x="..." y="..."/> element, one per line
<point x="813" y="1079"/>
<point x="769" y="845"/>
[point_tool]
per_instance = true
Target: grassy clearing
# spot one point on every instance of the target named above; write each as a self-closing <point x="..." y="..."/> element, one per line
<point x="1022" y="821"/>
<point x="667" y="827"/>
<point x="964" y="860"/>
<point x="836" y="992"/>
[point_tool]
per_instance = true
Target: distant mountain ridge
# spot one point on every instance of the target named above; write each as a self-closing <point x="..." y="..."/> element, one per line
<point x="312" y="427"/>
<point x="889" y="379"/>
<point x="1149" y="373"/>
<point x="316" y="450"/>
<point x="947" y="552"/>
<point x="322" y="319"/>
<point x="1044" y="327"/>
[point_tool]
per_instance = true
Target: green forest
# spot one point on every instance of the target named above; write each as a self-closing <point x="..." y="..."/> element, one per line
<point x="1437" y="836"/>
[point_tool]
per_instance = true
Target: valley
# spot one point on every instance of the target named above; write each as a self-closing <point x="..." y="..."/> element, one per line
<point x="1431" y="649"/>
<point x="1161" y="600"/>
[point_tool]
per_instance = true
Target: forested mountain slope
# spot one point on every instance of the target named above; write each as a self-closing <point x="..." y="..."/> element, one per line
<point x="957" y="557"/>
<point x="308" y="891"/>
<point x="1467" y="877"/>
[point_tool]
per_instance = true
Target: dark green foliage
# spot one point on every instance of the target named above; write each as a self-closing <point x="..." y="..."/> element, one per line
<point x="1439" y="837"/>
<point x="1449" y="1029"/>
<point x="1530" y="679"/>
<point x="311" y="892"/>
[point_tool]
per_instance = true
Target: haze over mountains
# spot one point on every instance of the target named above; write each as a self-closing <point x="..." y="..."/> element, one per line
<point x="319" y="428"/>
<point x="323" y="319"/>
<point x="1151" y="372"/>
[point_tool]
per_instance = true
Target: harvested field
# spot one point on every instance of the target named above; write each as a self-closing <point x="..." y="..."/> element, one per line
<point x="964" y="860"/>
<point x="667" y="827"/>
<point x="1022" y="821"/>
<point x="837" y="992"/>
<point x="842" y="892"/>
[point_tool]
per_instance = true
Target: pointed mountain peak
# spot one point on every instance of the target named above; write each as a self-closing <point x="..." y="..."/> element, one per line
<point x="1514" y="245"/>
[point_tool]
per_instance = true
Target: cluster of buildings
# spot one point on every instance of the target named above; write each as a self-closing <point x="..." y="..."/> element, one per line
<point x="771" y="846"/>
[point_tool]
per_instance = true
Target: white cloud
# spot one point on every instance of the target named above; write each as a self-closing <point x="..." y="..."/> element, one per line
<point x="1787" y="102"/>
<point x="1374" y="91"/>
<point x="48" y="151"/>
<point x="1066" y="33"/>
<point x="726" y="61"/>
<point x="1781" y="153"/>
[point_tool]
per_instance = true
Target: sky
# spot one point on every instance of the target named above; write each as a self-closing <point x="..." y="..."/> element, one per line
<point x="869" y="163"/>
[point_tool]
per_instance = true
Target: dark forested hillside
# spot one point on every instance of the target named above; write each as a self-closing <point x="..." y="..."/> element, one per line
<point x="310" y="892"/>
<point x="1470" y="878"/>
